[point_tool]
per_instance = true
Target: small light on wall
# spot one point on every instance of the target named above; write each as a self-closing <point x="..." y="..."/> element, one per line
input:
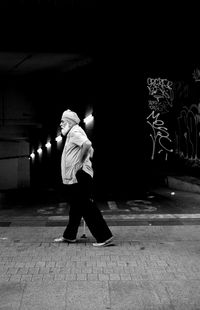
<point x="48" y="145"/>
<point x="58" y="138"/>
<point x="87" y="120"/>
<point x="39" y="150"/>
<point x="32" y="155"/>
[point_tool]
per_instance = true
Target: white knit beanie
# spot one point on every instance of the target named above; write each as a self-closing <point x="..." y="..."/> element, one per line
<point x="71" y="115"/>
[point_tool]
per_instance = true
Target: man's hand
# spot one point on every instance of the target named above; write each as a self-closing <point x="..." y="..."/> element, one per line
<point x="84" y="151"/>
<point x="91" y="152"/>
<point x="79" y="166"/>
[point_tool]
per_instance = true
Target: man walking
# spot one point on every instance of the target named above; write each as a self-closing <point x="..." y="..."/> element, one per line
<point x="77" y="174"/>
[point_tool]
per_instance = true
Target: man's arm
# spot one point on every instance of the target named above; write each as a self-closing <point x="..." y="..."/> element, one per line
<point x="84" y="151"/>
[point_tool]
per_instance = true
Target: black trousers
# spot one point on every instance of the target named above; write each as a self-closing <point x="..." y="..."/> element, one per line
<point x="83" y="206"/>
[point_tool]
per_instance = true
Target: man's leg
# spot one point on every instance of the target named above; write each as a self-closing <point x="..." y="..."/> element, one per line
<point x="90" y="212"/>
<point x="75" y="213"/>
<point x="96" y="223"/>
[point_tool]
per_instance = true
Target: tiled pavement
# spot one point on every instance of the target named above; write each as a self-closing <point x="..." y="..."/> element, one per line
<point x="154" y="262"/>
<point x="147" y="267"/>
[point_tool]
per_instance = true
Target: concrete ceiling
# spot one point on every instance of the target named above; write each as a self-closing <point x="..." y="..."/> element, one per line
<point x="18" y="63"/>
<point x="43" y="74"/>
<point x="48" y="26"/>
<point x="41" y="39"/>
<point x="60" y="36"/>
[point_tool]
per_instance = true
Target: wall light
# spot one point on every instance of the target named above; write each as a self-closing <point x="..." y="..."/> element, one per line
<point x="32" y="155"/>
<point x="48" y="145"/>
<point x="58" y="138"/>
<point x="87" y="120"/>
<point x="39" y="150"/>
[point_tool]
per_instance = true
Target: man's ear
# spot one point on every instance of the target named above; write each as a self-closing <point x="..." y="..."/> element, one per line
<point x="71" y="123"/>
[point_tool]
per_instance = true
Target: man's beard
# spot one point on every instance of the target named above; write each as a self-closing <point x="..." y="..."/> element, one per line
<point x="65" y="130"/>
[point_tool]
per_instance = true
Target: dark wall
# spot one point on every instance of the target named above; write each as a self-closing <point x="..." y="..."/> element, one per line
<point x="51" y="94"/>
<point x="180" y="119"/>
<point x="118" y="133"/>
<point x="119" y="128"/>
<point x="115" y="87"/>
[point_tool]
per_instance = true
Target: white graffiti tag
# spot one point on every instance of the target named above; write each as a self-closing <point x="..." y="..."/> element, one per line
<point x="162" y="93"/>
<point x="188" y="133"/>
<point x="159" y="135"/>
<point x="196" y="75"/>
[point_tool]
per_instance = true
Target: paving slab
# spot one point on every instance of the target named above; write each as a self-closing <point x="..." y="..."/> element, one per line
<point x="88" y="295"/>
<point x="11" y="294"/>
<point x="137" y="295"/>
<point x="45" y="296"/>
<point x="154" y="262"/>
<point x="147" y="267"/>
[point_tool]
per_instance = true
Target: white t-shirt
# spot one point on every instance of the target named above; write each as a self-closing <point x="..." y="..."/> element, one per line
<point x="71" y="155"/>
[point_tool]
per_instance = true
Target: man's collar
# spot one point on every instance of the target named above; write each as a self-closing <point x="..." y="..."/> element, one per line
<point x="73" y="128"/>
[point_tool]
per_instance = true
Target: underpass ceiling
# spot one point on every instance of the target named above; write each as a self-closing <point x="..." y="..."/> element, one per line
<point x="41" y="42"/>
<point x="40" y="38"/>
<point x="41" y="83"/>
<point x="13" y="63"/>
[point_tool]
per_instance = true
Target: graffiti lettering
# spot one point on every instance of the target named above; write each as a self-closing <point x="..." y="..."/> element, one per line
<point x="159" y="134"/>
<point x="162" y="93"/>
<point x="196" y="75"/>
<point x="188" y="132"/>
<point x="161" y="90"/>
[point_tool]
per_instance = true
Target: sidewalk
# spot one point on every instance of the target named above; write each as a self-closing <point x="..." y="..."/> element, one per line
<point x="148" y="267"/>
<point x="153" y="264"/>
<point x="184" y="183"/>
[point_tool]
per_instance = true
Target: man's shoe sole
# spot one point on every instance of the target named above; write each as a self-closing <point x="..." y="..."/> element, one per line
<point x="102" y="244"/>
<point x="61" y="239"/>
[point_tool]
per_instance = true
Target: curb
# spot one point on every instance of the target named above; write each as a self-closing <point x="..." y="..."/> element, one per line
<point x="177" y="183"/>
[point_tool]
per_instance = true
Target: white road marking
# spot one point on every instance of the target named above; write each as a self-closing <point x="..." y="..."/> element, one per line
<point x="112" y="205"/>
<point x="138" y="216"/>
